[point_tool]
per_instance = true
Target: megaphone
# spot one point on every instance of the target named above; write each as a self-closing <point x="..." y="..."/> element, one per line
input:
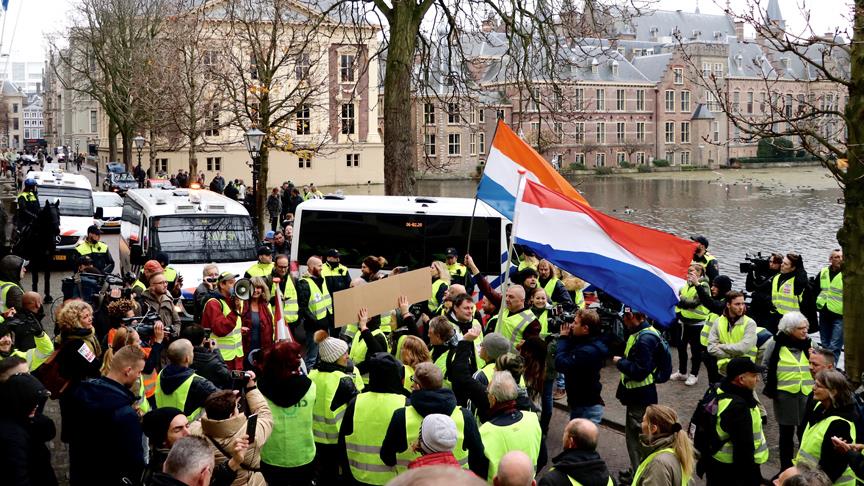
<point x="243" y="289"/>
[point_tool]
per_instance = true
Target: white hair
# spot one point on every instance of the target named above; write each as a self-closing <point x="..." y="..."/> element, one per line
<point x="503" y="387"/>
<point x="790" y="321"/>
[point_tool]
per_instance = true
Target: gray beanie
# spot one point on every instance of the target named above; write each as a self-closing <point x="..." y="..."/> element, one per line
<point x="331" y="349"/>
<point x="437" y="433"/>
<point x="495" y="345"/>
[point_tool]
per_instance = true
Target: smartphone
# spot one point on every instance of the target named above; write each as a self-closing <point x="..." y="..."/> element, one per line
<point x="251" y="425"/>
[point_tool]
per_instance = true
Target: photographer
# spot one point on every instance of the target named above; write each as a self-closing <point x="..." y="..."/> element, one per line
<point x="178" y="386"/>
<point x="157" y="299"/>
<point x="760" y="271"/>
<point x="210" y="276"/>
<point x="580" y="354"/>
<point x="206" y="360"/>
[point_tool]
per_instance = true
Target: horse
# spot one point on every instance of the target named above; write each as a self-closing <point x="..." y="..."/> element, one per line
<point x="37" y="243"/>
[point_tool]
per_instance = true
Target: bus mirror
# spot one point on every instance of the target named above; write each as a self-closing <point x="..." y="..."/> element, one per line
<point x="136" y="254"/>
<point x="98" y="214"/>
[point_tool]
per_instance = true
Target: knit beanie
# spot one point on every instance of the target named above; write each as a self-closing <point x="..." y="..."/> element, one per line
<point x="495" y="345"/>
<point x="437" y="434"/>
<point x="723" y="284"/>
<point x="331" y="349"/>
<point x="155" y="424"/>
<point x="151" y="267"/>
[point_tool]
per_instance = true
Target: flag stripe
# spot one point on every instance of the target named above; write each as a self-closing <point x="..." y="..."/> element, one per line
<point x="497" y="197"/>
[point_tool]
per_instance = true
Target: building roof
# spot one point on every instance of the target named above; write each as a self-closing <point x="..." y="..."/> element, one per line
<point x="11" y="89"/>
<point x="653" y="67"/>
<point x="702" y="113"/>
<point x="661" y="25"/>
<point x="772" y="13"/>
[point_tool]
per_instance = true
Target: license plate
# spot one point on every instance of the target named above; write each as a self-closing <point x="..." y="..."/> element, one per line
<point x="60" y="257"/>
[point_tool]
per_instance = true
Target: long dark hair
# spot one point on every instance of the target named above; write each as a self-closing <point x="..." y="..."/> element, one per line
<point x="533" y="350"/>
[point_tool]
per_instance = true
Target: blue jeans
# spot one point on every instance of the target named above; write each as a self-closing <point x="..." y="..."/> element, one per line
<point x="311" y="351"/>
<point x="546" y="405"/>
<point x="831" y="333"/>
<point x="591" y="412"/>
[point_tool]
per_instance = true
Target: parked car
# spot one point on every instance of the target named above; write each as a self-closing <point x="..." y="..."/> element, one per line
<point x="109" y="209"/>
<point x="158" y="183"/>
<point x="116" y="168"/>
<point x="119" y="182"/>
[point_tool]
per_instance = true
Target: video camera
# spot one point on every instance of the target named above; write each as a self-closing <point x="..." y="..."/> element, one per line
<point x="144" y="325"/>
<point x="755" y="263"/>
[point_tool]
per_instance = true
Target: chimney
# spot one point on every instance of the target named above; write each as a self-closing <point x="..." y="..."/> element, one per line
<point x="739" y="30"/>
<point x="488" y="25"/>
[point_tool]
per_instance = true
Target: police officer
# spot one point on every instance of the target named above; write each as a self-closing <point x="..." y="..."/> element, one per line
<point x="221" y="317"/>
<point x="96" y="250"/>
<point x="830" y="304"/>
<point x="264" y="267"/>
<point x="334" y="272"/>
<point x="27" y="205"/>
<point x="178" y="385"/>
<point x="702" y="257"/>
<point x="458" y="272"/>
<point x="743" y="446"/>
<point x="315" y="306"/>
<point x="733" y="334"/>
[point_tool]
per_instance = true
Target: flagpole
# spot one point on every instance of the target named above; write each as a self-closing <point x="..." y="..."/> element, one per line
<point x="520" y="189"/>
<point x="476" y="195"/>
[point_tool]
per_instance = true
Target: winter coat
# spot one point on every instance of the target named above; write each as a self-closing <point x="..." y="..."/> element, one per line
<point x="664" y="469"/>
<point x="266" y="328"/>
<point x="580" y="359"/>
<point x="637" y="366"/>
<point x="586" y="467"/>
<point x="445" y="458"/>
<point x="173" y="376"/>
<point x="24" y="456"/>
<point x="222" y="432"/>
<point x="164" y="306"/>
<point x="274" y="205"/>
<point x="208" y="363"/>
<point x="832" y="462"/>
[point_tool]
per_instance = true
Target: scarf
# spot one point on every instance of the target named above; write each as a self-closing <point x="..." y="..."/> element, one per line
<point x="86" y="335"/>
<point x="780" y="340"/>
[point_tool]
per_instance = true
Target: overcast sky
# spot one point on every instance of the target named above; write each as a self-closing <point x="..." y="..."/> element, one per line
<point x="28" y="21"/>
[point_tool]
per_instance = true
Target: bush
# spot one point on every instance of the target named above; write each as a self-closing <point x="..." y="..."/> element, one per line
<point x="577" y="166"/>
<point x="644" y="169"/>
<point x="603" y="171"/>
<point x="624" y="165"/>
<point x="661" y="163"/>
<point x="775" y="147"/>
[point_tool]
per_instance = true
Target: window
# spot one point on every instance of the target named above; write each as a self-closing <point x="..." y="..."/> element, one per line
<point x="429" y="144"/>
<point x="428" y="113"/>
<point x="558" y="128"/>
<point x="304" y="161"/>
<point x="640" y="100"/>
<point x="303" y="120"/>
<point x="499" y="114"/>
<point x="601" y="99"/>
<point x="481" y="142"/>
<point x="94" y="126"/>
<point x="640" y="131"/>
<point x="670" y="101"/>
<point x="535" y="127"/>
<point x="600" y="160"/>
<point x="481" y="115"/>
<point x="209" y="60"/>
<point x="713" y="103"/>
<point x="214" y="163"/>
<point x="763" y="101"/>
<point x="161" y="165"/>
<point x="346" y="68"/>
<point x="749" y="102"/>
<point x="535" y="99"/>
<point x="619" y="132"/>
<point x="472" y="144"/>
<point x="685" y="102"/>
<point x="601" y="132"/>
<point x="301" y="66"/>
<point x="472" y="117"/>
<point x="716" y="129"/>
<point x="212" y="128"/>
<point x="736" y="101"/>
<point x="579" y="159"/>
<point x="26" y="133"/>
<point x="685" y="132"/>
<point x="348" y="119"/>
<point x="787" y="106"/>
<point x="253" y="66"/>
<point x="670" y="132"/>
<point x="718" y="70"/>
<point x="640" y="158"/>
<point x="685" y="158"/>
<point x="454" y="144"/>
<point x="678" y="75"/>
<point x="619" y="100"/>
<point x="579" y="132"/>
<point x="452" y="113"/>
<point x="352" y="160"/>
<point x="670" y="156"/>
<point x="579" y="99"/>
<point x="621" y="157"/>
<point x="14" y="107"/>
<point x="706" y="70"/>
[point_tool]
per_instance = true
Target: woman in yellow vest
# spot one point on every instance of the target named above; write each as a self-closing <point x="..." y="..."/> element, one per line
<point x="787" y="358"/>
<point x="833" y="416"/>
<point x="692" y="316"/>
<point x="787" y="289"/>
<point x="670" y="459"/>
<point x="440" y="283"/>
<point x="443" y="340"/>
<point x="288" y="455"/>
<point x="414" y="352"/>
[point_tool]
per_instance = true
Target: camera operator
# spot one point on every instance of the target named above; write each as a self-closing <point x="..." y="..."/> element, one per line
<point x="206" y="360"/>
<point x="158" y="300"/>
<point x="760" y="271"/>
<point x="210" y="276"/>
<point x="580" y="354"/>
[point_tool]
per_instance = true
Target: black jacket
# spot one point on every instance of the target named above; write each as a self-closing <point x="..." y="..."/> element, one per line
<point x="374" y="344"/>
<point x="736" y="421"/>
<point x="426" y="402"/>
<point x="105" y="443"/>
<point x="303" y="295"/>
<point x="10" y="271"/>
<point x="208" y="363"/>
<point x="580" y="359"/>
<point x="586" y="467"/>
<point x="173" y="376"/>
<point x="831" y="461"/>
<point x="24" y="456"/>
<point x="716" y="306"/>
<point x="637" y="365"/>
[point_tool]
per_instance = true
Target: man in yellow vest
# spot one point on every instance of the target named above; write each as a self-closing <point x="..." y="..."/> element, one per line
<point x="733" y="334"/>
<point x="287" y="288"/>
<point x="517" y="322"/>
<point x="221" y="317"/>
<point x="12" y="270"/>
<point x="743" y="448"/>
<point x="96" y="250"/>
<point x="264" y="267"/>
<point x="830" y="304"/>
<point x="175" y="280"/>
<point x="179" y="386"/>
<point x="315" y="307"/>
<point x="458" y="272"/>
<point x="579" y="461"/>
<point x="334" y="272"/>
<point x="34" y="357"/>
<point x="702" y="257"/>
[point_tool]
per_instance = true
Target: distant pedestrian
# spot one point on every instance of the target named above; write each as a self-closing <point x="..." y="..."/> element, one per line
<point x="217" y="184"/>
<point x="274" y="208"/>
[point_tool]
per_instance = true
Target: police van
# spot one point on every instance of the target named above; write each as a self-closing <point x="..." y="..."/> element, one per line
<point x="193" y="227"/>
<point x="408" y="231"/>
<point x="76" y="207"/>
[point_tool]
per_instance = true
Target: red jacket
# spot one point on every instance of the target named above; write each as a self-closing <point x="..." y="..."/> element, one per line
<point x="265" y="318"/>
<point x="213" y="319"/>
<point x="436" y="459"/>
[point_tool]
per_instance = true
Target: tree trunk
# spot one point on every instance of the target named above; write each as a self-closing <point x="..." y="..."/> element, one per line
<point x="151" y="152"/>
<point x="261" y="189"/>
<point x="400" y="134"/>
<point x="112" y="141"/>
<point x="127" y="150"/>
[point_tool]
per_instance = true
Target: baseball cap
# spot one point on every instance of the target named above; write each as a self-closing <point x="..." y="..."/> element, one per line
<point x="332" y="252"/>
<point x="739" y="366"/>
<point x="264" y="250"/>
<point x="451" y="252"/>
<point x="224" y="276"/>
<point x="700" y="239"/>
<point x="93" y="229"/>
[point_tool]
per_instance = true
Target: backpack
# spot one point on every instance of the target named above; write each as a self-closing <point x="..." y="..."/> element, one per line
<point x="49" y="374"/>
<point x="703" y="424"/>
<point x="662" y="361"/>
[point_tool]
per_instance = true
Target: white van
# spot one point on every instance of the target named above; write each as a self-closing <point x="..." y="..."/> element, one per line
<point x="193" y="227"/>
<point x="76" y="207"/>
<point x="406" y="230"/>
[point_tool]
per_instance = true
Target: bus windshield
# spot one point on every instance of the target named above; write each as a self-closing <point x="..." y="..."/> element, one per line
<point x="196" y="239"/>
<point x="411" y="240"/>
<point x="73" y="201"/>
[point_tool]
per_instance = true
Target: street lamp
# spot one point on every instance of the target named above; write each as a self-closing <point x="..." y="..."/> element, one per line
<point x="76" y="153"/>
<point x="139" y="144"/>
<point x="254" y="138"/>
<point x="96" y="148"/>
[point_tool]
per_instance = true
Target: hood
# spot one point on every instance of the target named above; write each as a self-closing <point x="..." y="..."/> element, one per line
<point x="103" y="395"/>
<point x="10" y="268"/>
<point x="386" y="374"/>
<point x="173" y="376"/>
<point x="586" y="467"/>
<point x="285" y="393"/>
<point x="658" y="442"/>
<point x="426" y="402"/>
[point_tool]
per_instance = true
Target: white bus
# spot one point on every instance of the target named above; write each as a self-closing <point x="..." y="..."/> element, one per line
<point x="76" y="207"/>
<point x="408" y="231"/>
<point x="193" y="227"/>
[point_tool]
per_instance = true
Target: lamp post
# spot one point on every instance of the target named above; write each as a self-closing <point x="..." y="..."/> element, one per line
<point x="76" y="152"/>
<point x="96" y="146"/>
<point x="139" y="144"/>
<point x="254" y="138"/>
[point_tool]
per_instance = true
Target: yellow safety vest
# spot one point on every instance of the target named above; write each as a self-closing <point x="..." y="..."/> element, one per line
<point x="524" y="435"/>
<point x="433" y="303"/>
<point x="326" y="422"/>
<point x="372" y="414"/>
<point x="832" y="291"/>
<point x="760" y="445"/>
<point x="320" y="303"/>
<point x="706" y="328"/>
<point x="86" y="248"/>
<point x="549" y="288"/>
<point x="736" y="334"/>
<point x="793" y="375"/>
<point x="544" y="323"/>
<point x="339" y="271"/>
<point x="513" y="326"/>
<point x="178" y="398"/>
<point x="699" y="313"/>
<point x="290" y="305"/>
<point x="811" y="446"/>
<point x="413" y="420"/>
<point x="457" y="270"/>
<point x="4" y="291"/>
<point x="170" y="275"/>
<point x="708" y="259"/>
<point x="441" y="363"/>
<point x="644" y="465"/>
<point x="649" y="380"/>
<point x="260" y="270"/>
<point x="230" y="346"/>
<point x="359" y="350"/>
<point x="291" y="443"/>
<point x="784" y="298"/>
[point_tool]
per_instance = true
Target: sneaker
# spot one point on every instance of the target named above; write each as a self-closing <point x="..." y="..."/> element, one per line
<point x="691" y="380"/>
<point x="678" y="377"/>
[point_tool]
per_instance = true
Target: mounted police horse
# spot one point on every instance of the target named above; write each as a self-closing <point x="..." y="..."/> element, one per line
<point x="37" y="243"/>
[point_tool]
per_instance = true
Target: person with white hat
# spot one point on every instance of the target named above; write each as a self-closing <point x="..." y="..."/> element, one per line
<point x="435" y="442"/>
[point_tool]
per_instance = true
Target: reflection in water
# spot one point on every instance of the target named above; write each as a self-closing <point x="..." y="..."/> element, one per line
<point x="738" y="211"/>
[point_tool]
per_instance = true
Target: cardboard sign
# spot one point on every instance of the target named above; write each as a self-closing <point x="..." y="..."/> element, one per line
<point x="379" y="297"/>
